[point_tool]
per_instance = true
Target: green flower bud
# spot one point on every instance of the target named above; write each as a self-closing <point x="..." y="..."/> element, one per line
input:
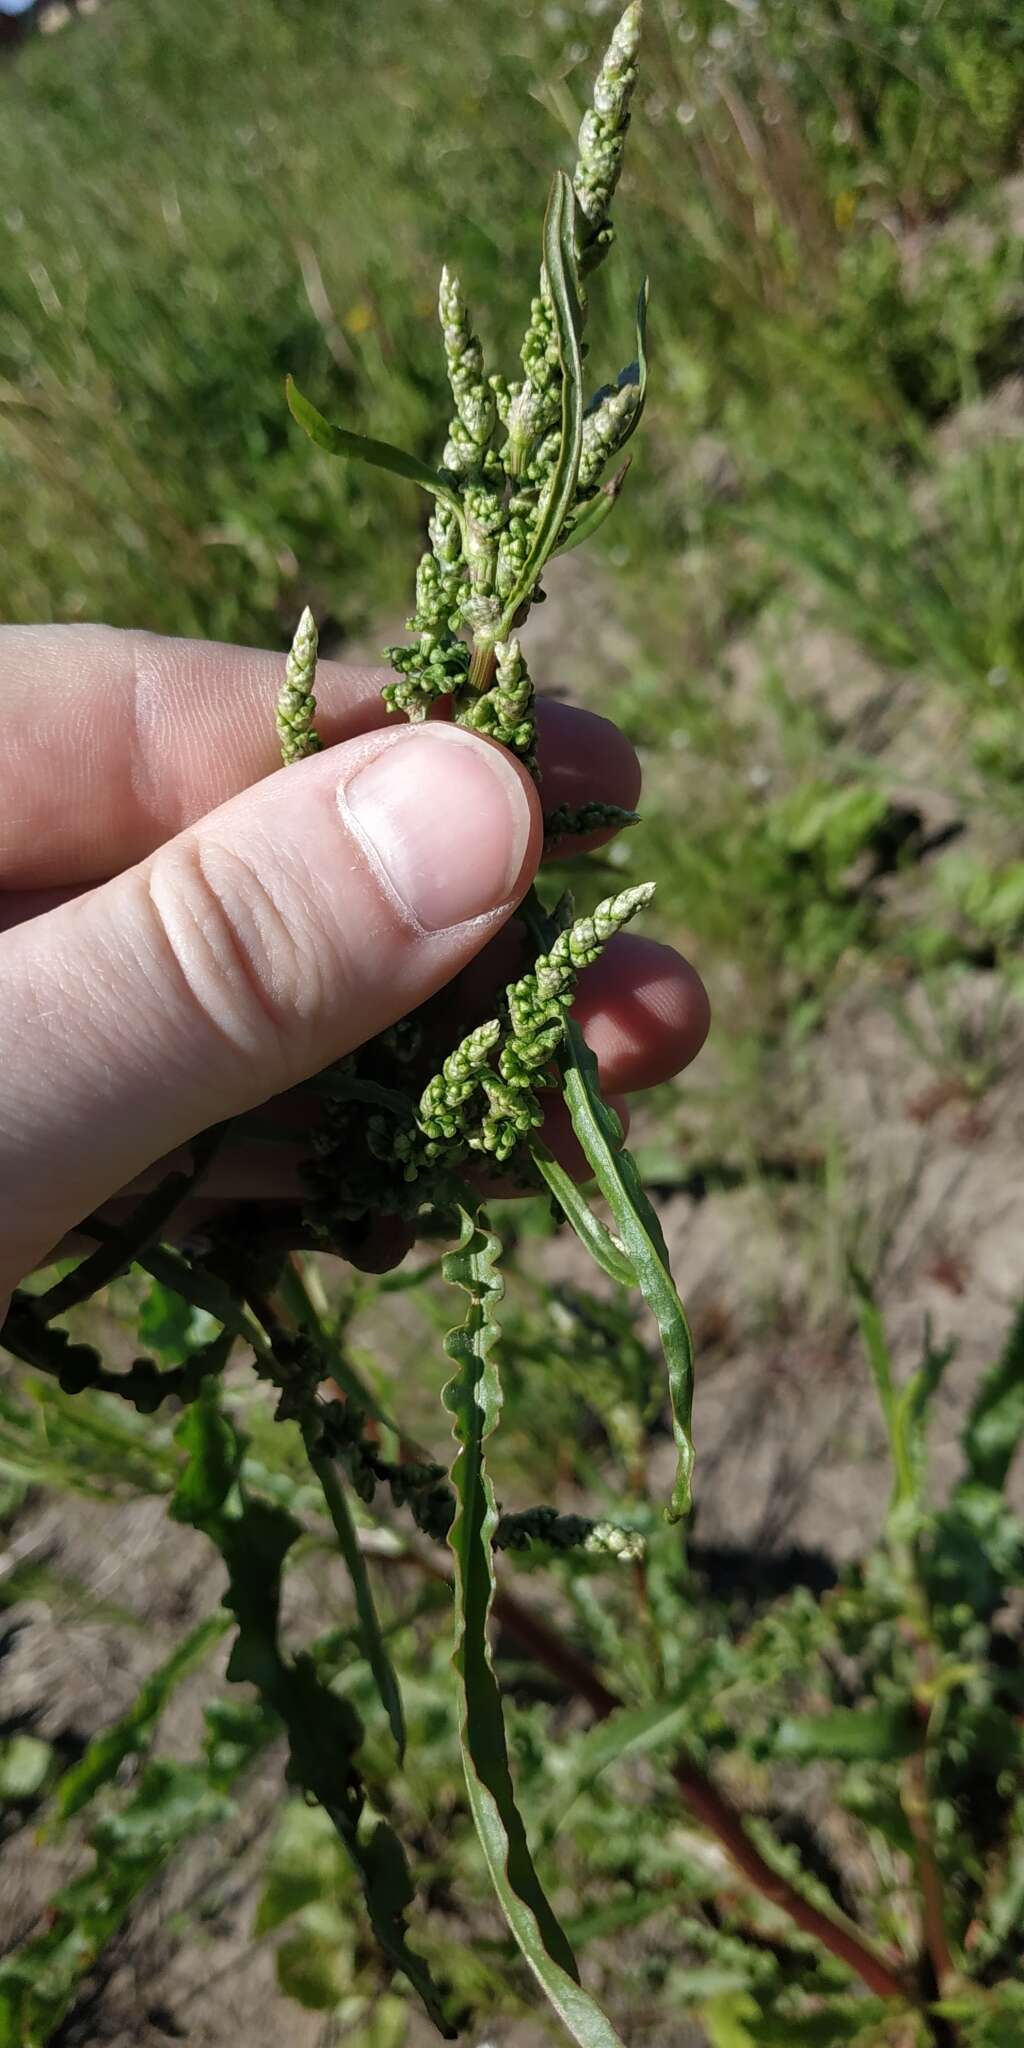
<point x="296" y="705"/>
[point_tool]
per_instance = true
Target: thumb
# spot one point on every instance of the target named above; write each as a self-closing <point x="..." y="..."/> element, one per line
<point x="270" y="938"/>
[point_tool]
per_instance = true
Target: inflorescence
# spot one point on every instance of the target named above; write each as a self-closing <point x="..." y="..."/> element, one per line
<point x="522" y="478"/>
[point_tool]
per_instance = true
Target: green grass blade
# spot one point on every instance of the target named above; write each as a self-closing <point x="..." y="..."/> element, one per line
<point x="473" y="1397"/>
<point x="600" y="1134"/>
<point x="360" y="448"/>
<point x="879" y="1357"/>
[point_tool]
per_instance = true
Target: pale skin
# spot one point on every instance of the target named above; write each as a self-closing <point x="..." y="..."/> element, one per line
<point x="186" y="934"/>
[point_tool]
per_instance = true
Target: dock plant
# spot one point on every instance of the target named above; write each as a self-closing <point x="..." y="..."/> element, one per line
<point x="529" y="466"/>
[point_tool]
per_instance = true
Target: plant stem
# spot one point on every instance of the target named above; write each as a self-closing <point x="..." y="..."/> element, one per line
<point x="483" y="665"/>
<point x="914" y="1799"/>
<point x="707" y="1804"/>
<point x="699" y="1793"/>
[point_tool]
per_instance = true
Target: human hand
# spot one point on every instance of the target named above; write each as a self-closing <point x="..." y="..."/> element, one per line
<point x="185" y="934"/>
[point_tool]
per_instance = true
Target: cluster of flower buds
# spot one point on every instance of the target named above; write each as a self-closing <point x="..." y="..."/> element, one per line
<point x="505" y="712"/>
<point x="602" y="137"/>
<point x="490" y="533"/>
<point x="296" y="705"/>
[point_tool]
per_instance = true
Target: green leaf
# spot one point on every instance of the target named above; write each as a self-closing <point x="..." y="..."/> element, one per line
<point x="995" y="1424"/>
<point x="905" y="1409"/>
<point x="24" y="1763"/>
<point x="473" y="1398"/>
<point x="206" y="1291"/>
<point x="134" y="1730"/>
<point x="170" y="1325"/>
<point x="725" y="2019"/>
<point x="359" y="448"/>
<point x="841" y="2020"/>
<point x="214" y="1461"/>
<point x="600" y="1135"/>
<point x="560" y="272"/>
<point x="634" y="1731"/>
<point x="314" y="1965"/>
<point x="371" y="1636"/>
<point x="594" y="511"/>
<point x="589" y="1229"/>
<point x="306" y="1863"/>
<point x="324" y="1731"/>
<point x="848" y="1735"/>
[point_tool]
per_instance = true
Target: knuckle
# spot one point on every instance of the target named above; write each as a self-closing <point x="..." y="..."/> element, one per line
<point x="243" y="950"/>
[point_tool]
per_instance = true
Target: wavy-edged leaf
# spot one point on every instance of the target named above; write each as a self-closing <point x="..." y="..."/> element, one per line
<point x="324" y="1731"/>
<point x="589" y="1228"/>
<point x="473" y="1398"/>
<point x="134" y="1730"/>
<point x="360" y="448"/>
<point x="371" y="1634"/>
<point x="563" y="287"/>
<point x="600" y="1134"/>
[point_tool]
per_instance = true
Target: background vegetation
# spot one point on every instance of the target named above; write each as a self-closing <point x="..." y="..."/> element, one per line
<point x="812" y="616"/>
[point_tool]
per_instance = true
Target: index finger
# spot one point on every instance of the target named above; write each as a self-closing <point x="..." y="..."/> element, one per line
<point x="114" y="741"/>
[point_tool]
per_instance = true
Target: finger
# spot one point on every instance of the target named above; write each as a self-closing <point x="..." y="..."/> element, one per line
<point x="18" y="905"/>
<point x="115" y="741"/>
<point x="248" y="953"/>
<point x="583" y="759"/>
<point x="642" y="1006"/>
<point x="644" y="1012"/>
<point x="245" y="1172"/>
<point x="375" y="1245"/>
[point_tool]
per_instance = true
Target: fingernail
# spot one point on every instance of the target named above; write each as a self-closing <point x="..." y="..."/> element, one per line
<point x="448" y="820"/>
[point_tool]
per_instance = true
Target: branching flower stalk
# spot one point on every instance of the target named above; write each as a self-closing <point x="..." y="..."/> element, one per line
<point x="521" y="478"/>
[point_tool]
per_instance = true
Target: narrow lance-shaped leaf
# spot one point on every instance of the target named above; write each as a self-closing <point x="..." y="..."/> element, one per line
<point x="593" y="513"/>
<point x="360" y="448"/>
<point x="600" y="1134"/>
<point x="642" y="303"/>
<point x="473" y="1397"/>
<point x="374" y="1646"/>
<point x="633" y="1731"/>
<point x="560" y="275"/>
<point x="133" y="1732"/>
<point x="589" y="1228"/>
